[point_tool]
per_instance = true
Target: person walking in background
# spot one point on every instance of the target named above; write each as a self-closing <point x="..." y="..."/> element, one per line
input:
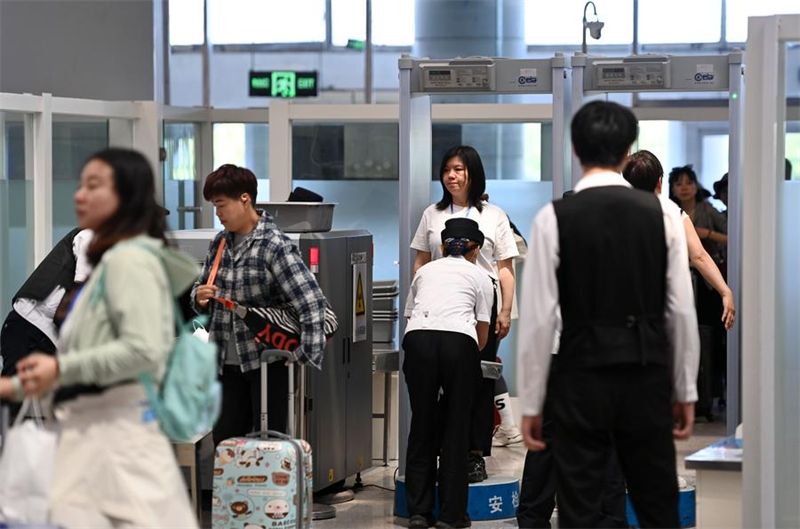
<point x="449" y="312"/>
<point x="33" y="323"/>
<point x="615" y="264"/>
<point x="114" y="466"/>
<point x="259" y="267"/>
<point x="644" y="171"/>
<point x="463" y="181"/>
<point x="711" y="227"/>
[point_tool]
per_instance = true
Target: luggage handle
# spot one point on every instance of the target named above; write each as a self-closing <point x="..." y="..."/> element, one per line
<point x="290" y="420"/>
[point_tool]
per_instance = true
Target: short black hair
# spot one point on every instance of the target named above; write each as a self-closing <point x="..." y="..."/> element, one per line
<point x="475" y="174"/>
<point x="687" y="170"/>
<point x="602" y="133"/>
<point x="643" y="170"/>
<point x="230" y="181"/>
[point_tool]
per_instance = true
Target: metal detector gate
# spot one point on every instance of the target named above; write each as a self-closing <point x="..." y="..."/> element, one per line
<point x="419" y="80"/>
<point x="695" y="73"/>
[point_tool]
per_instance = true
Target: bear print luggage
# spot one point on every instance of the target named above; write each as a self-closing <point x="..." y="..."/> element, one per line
<point x="264" y="480"/>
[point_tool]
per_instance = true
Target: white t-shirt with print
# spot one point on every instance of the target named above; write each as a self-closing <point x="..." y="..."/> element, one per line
<point x="499" y="241"/>
<point x="449" y="294"/>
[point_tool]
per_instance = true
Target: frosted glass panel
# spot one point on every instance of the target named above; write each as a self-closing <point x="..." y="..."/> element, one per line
<point x="371" y="205"/>
<point x="245" y="145"/>
<point x="16" y="211"/>
<point x="73" y="143"/>
<point x="180" y="174"/>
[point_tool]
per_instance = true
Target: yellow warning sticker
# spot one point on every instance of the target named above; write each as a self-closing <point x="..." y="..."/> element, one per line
<point x="361" y="307"/>
<point x="330" y="476"/>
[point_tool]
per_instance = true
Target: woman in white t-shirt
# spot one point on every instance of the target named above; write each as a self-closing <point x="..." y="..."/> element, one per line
<point x="449" y="311"/>
<point x="463" y="184"/>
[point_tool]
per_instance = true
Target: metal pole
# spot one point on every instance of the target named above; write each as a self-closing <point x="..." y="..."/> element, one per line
<point x="635" y="45"/>
<point x="387" y="415"/>
<point x="166" y="51"/>
<point x="560" y="118"/>
<point x="207" y="50"/>
<point x="368" y="57"/>
<point x="415" y="195"/>
<point x="578" y="70"/>
<point x="735" y="187"/>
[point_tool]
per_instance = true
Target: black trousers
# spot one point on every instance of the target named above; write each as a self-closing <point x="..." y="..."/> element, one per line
<point x="537" y="498"/>
<point x="18" y="339"/>
<point x="241" y="401"/>
<point x="433" y="360"/>
<point x="482" y="426"/>
<point x="622" y="407"/>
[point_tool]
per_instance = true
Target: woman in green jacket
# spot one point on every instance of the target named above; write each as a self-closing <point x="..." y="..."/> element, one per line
<point x="114" y="466"/>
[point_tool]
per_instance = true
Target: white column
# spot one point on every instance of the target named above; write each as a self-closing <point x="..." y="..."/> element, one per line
<point x="759" y="201"/>
<point x="415" y="154"/>
<point x="40" y="170"/>
<point x="147" y="139"/>
<point x="735" y="186"/>
<point x="280" y="151"/>
<point x="204" y="156"/>
<point x="578" y="70"/>
<point x="561" y="118"/>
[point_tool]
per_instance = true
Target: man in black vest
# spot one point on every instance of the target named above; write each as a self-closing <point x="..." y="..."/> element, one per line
<point x="617" y="267"/>
<point x="30" y="326"/>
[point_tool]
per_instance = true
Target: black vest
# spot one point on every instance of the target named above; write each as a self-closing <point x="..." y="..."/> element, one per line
<point x="611" y="278"/>
<point x="57" y="269"/>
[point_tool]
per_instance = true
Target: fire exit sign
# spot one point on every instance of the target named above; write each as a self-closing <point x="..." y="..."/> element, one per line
<point x="285" y="84"/>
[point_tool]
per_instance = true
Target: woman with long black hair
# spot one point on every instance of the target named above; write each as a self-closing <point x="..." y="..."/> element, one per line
<point x="463" y="182"/>
<point x="114" y="466"/>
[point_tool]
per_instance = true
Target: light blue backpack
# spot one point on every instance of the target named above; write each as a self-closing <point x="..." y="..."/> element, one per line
<point x="190" y="397"/>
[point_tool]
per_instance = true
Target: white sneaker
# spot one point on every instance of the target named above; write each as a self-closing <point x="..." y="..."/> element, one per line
<point x="506" y="436"/>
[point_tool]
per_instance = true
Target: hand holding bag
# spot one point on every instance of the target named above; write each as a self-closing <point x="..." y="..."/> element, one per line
<point x="26" y="467"/>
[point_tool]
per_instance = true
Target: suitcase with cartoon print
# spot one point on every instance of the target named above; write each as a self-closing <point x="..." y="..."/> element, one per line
<point x="264" y="480"/>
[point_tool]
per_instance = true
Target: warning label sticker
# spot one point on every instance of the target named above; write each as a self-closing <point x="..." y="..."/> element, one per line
<point x="359" y="264"/>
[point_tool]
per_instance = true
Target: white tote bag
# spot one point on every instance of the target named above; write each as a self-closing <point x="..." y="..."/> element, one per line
<point x="26" y="467"/>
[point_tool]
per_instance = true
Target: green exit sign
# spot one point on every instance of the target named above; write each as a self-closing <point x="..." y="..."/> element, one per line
<point x="286" y="84"/>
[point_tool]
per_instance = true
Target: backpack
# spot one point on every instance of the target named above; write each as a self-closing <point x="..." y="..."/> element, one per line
<point x="189" y="400"/>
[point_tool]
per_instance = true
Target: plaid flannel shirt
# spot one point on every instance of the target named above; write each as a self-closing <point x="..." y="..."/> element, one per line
<point x="266" y="270"/>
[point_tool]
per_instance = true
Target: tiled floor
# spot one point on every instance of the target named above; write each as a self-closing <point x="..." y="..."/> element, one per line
<point x="372" y="506"/>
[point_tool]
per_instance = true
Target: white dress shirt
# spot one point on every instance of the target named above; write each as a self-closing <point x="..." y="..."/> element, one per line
<point x="40" y="313"/>
<point x="499" y="243"/>
<point x="539" y="300"/>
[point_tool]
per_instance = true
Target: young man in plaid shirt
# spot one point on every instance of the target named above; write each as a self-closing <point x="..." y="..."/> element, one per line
<point x="259" y="267"/>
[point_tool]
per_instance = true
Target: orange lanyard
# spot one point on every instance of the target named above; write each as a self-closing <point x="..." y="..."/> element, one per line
<point x="228" y="304"/>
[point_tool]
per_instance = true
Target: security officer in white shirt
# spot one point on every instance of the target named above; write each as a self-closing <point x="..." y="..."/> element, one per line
<point x="629" y="349"/>
<point x="449" y="309"/>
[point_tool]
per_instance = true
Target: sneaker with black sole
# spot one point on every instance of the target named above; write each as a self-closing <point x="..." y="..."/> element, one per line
<point x="420" y="521"/>
<point x="476" y="469"/>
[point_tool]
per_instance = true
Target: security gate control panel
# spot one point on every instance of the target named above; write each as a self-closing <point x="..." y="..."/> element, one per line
<point x="468" y="78"/>
<point x="630" y="74"/>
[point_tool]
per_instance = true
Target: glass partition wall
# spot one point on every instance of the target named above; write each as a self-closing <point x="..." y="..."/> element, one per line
<point x="16" y="205"/>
